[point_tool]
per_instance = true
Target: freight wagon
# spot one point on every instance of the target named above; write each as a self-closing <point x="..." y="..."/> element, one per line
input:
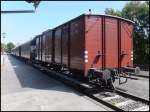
<point x="93" y="47"/>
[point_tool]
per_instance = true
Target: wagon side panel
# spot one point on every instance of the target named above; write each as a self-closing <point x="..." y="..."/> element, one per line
<point x="65" y="45"/>
<point x="126" y="44"/>
<point x="77" y="44"/>
<point x="58" y="45"/>
<point x="93" y="40"/>
<point x="48" y="49"/>
<point x="111" y="43"/>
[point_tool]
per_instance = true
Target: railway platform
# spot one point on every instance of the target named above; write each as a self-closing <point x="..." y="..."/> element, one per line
<point x="23" y="88"/>
<point x="139" y="87"/>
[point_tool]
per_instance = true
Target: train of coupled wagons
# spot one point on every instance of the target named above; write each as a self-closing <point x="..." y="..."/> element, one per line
<point x="96" y="49"/>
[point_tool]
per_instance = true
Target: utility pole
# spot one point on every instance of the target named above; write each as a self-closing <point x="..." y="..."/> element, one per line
<point x="3" y="36"/>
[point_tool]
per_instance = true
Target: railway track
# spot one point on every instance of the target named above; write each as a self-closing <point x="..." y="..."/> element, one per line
<point x="118" y="100"/>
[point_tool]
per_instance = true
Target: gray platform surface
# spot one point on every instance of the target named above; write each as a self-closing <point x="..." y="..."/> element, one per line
<point x="145" y="73"/>
<point x="25" y="88"/>
<point x="136" y="87"/>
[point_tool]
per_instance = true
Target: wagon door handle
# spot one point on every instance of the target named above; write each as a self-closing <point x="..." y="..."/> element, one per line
<point x="123" y="53"/>
<point x="99" y="54"/>
<point x="97" y="57"/>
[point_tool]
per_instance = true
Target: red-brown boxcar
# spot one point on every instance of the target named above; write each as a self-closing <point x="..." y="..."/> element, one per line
<point x="38" y="48"/>
<point x="26" y="50"/>
<point x="16" y="51"/>
<point x="94" y="41"/>
<point x="49" y="49"/>
<point x="108" y="42"/>
<point x="87" y="46"/>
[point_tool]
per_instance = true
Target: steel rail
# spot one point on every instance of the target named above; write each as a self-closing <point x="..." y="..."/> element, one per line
<point x="129" y="95"/>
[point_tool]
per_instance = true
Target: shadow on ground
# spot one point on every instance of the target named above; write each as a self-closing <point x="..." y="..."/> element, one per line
<point x="30" y="77"/>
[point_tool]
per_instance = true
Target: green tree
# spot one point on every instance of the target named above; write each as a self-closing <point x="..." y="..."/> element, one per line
<point x="111" y="11"/>
<point x="10" y="46"/>
<point x="139" y="13"/>
<point x="3" y="47"/>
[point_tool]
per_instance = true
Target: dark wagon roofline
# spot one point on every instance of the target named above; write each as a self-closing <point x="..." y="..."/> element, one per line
<point x="71" y="20"/>
<point x="47" y="31"/>
<point x="17" y="46"/>
<point x="117" y="17"/>
<point x="82" y="15"/>
<point x="25" y="42"/>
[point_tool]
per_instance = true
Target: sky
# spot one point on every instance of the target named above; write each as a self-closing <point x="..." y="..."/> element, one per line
<point x="20" y="28"/>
